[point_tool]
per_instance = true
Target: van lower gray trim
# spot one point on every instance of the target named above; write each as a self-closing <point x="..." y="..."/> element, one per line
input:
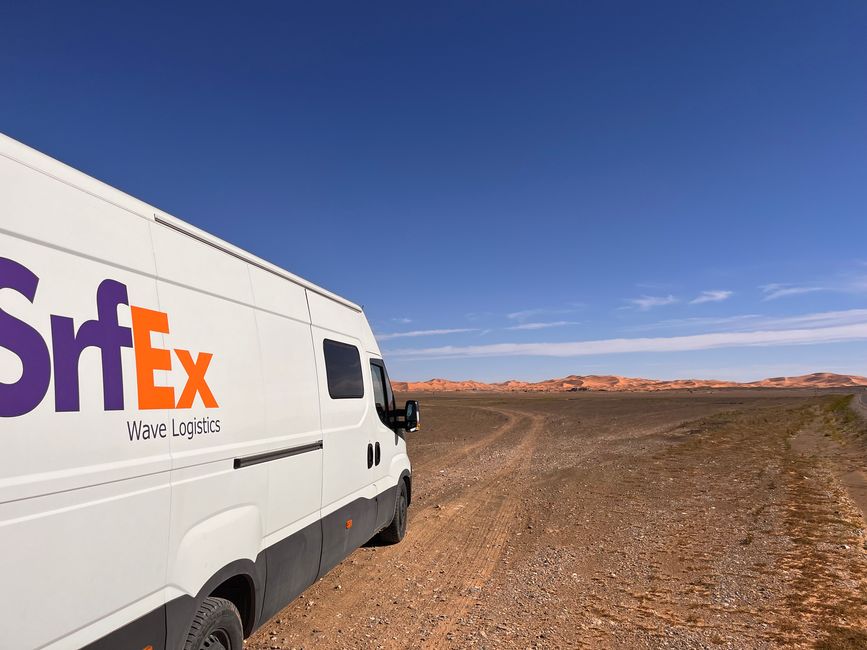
<point x="246" y="461"/>
<point x="280" y="573"/>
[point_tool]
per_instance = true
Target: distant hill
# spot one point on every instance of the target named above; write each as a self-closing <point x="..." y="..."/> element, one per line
<point x="615" y="383"/>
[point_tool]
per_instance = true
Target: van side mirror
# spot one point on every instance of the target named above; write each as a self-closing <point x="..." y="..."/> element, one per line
<point x="411" y="420"/>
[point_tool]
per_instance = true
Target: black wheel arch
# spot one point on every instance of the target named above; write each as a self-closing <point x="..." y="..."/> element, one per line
<point x="241" y="582"/>
<point x="406" y="477"/>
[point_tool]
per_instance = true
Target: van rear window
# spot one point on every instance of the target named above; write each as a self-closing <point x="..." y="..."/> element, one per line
<point x="343" y="368"/>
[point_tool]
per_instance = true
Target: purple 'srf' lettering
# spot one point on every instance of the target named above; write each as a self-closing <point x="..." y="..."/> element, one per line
<point x="25" y="394"/>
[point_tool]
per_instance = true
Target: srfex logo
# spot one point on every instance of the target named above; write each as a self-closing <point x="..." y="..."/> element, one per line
<point x="104" y="333"/>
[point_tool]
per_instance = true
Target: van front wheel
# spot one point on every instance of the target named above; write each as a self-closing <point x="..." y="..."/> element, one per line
<point x="216" y="626"/>
<point x="397" y="528"/>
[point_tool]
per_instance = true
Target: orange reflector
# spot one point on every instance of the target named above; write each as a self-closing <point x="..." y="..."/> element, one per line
<point x="348" y="524"/>
<point x="148" y="647"/>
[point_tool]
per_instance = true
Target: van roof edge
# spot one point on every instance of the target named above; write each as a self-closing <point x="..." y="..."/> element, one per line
<point x="45" y="164"/>
<point x="222" y="245"/>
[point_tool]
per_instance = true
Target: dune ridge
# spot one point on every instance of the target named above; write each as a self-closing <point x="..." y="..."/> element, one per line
<point x="616" y="383"/>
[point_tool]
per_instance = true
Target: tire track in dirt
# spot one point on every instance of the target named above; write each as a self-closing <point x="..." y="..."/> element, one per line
<point x="497" y="505"/>
<point x="453" y="543"/>
<point x="450" y="475"/>
<point x="461" y="452"/>
<point x="447" y="527"/>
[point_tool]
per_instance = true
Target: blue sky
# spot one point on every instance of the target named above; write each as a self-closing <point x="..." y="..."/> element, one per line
<point x="512" y="190"/>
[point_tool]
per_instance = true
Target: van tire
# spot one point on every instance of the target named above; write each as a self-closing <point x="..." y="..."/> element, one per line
<point x="216" y="624"/>
<point x="396" y="530"/>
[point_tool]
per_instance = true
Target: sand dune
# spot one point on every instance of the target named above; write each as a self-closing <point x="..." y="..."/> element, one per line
<point x="616" y="383"/>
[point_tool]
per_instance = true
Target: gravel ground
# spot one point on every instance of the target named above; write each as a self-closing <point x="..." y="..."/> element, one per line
<point x="725" y="519"/>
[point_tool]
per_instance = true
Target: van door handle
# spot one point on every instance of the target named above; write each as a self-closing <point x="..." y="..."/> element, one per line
<point x="378" y="454"/>
<point x="369" y="455"/>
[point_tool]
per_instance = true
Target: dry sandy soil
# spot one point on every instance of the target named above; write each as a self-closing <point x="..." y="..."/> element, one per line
<point x="728" y="519"/>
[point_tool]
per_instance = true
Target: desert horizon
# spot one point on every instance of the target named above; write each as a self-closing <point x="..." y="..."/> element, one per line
<point x="574" y="383"/>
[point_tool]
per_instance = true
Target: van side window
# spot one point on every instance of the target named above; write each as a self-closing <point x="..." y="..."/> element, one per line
<point x="343" y="370"/>
<point x="389" y="393"/>
<point x="379" y="395"/>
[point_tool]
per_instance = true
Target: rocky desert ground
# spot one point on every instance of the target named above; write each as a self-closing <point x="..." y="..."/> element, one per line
<point x="708" y="519"/>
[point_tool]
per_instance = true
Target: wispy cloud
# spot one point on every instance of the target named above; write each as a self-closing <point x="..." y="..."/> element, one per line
<point x="527" y="314"/>
<point x="401" y="335"/>
<point x="644" y="303"/>
<point x="717" y="295"/>
<point x="856" y="284"/>
<point x="654" y="286"/>
<point x="852" y="281"/>
<point x="402" y="321"/>
<point x="775" y="290"/>
<point x="758" y="338"/>
<point x="816" y="319"/>
<point x="697" y="321"/>
<point x="542" y="326"/>
<point x="743" y="322"/>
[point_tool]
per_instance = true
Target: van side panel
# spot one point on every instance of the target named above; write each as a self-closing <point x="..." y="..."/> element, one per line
<point x="217" y="511"/>
<point x="291" y="406"/>
<point x="83" y="499"/>
<point x="349" y="492"/>
<point x="251" y="489"/>
<point x="293" y="535"/>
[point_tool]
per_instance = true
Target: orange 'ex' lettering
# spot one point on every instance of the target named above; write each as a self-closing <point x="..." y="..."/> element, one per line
<point x="149" y="359"/>
<point x="196" y="379"/>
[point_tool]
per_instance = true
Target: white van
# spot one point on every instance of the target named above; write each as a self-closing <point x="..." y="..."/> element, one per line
<point x="189" y="435"/>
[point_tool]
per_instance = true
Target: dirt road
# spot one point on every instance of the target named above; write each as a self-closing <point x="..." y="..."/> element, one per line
<point x="726" y="519"/>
